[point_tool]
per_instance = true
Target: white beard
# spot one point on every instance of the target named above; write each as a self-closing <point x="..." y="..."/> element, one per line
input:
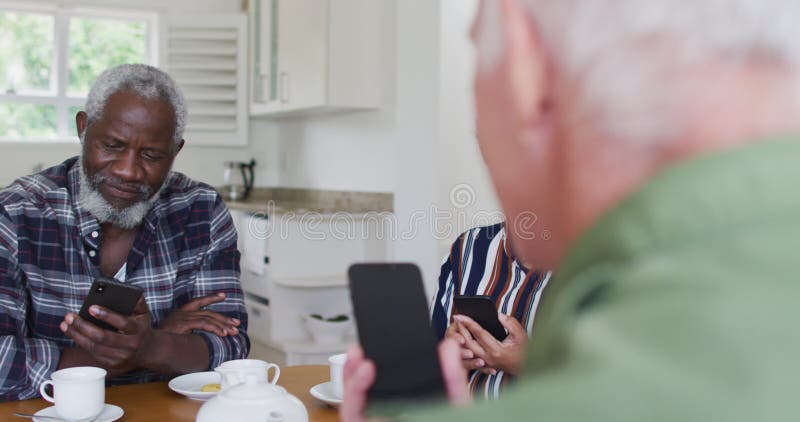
<point x="126" y="218"/>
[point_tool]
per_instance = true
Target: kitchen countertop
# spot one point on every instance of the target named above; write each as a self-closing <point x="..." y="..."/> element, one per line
<point x="290" y="200"/>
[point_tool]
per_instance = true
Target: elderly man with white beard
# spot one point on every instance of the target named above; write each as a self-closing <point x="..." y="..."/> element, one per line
<point x="118" y="211"/>
<point x="659" y="143"/>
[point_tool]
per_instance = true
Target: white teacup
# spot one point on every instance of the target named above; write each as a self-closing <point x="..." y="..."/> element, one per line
<point x="236" y="371"/>
<point x="337" y="374"/>
<point x="78" y="393"/>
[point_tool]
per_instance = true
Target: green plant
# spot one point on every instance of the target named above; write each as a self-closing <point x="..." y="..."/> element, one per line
<point x="337" y="318"/>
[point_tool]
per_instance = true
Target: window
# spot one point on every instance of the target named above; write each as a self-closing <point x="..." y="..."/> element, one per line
<point x="49" y="57"/>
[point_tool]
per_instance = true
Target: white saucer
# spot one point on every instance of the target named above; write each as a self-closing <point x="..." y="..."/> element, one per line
<point x="190" y="384"/>
<point x="324" y="393"/>
<point x="109" y="413"/>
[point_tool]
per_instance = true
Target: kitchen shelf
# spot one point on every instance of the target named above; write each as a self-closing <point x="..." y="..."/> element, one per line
<point x="292" y="286"/>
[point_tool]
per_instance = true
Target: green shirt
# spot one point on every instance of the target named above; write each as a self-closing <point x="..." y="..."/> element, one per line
<point x="681" y="304"/>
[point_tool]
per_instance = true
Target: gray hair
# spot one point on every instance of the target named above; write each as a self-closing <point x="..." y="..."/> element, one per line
<point x="145" y="81"/>
<point x="597" y="45"/>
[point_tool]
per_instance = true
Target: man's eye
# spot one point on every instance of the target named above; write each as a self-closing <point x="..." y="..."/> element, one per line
<point x="152" y="157"/>
<point x="111" y="146"/>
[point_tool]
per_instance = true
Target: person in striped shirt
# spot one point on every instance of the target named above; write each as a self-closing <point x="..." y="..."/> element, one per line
<point x="481" y="263"/>
<point x="118" y="210"/>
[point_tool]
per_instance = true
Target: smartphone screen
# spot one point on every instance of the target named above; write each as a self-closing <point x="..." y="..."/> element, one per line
<point x="482" y="310"/>
<point x="394" y="329"/>
<point x="109" y="293"/>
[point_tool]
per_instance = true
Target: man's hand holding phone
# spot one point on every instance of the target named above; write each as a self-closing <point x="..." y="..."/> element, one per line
<point x="120" y="350"/>
<point x="482" y="351"/>
<point x="130" y="341"/>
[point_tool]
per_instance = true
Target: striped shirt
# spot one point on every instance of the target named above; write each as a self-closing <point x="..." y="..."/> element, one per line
<point x="185" y="248"/>
<point x="480" y="264"/>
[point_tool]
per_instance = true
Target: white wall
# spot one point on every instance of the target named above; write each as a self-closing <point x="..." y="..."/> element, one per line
<point x="465" y="189"/>
<point x="393" y="149"/>
<point x="264" y="147"/>
<point x="352" y="151"/>
<point x="202" y="163"/>
<point x="348" y="151"/>
<point x="420" y="145"/>
<point x="416" y="154"/>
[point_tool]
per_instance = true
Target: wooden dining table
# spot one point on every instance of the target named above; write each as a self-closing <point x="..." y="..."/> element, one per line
<point x="156" y="402"/>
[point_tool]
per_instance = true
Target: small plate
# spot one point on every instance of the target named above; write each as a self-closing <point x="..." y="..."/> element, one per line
<point x="109" y="413"/>
<point x="324" y="393"/>
<point x="190" y="384"/>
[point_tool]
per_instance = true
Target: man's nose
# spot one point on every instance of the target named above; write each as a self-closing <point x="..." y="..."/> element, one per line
<point x="128" y="167"/>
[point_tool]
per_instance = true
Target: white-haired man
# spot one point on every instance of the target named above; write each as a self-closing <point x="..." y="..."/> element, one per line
<point x="118" y="211"/>
<point x="658" y="142"/>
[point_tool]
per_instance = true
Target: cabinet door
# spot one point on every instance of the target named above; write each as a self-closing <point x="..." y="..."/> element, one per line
<point x="302" y="53"/>
<point x="264" y="56"/>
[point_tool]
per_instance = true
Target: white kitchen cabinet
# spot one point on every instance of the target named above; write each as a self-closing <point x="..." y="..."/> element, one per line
<point x="309" y="56"/>
<point x="296" y="264"/>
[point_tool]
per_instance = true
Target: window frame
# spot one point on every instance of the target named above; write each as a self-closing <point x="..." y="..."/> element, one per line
<point x="59" y="79"/>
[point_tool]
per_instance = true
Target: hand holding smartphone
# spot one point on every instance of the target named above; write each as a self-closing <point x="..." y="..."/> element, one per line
<point x="394" y="329"/>
<point x="482" y="310"/>
<point x="109" y="293"/>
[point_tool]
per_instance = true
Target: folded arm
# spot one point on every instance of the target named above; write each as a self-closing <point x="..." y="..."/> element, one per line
<point x="219" y="273"/>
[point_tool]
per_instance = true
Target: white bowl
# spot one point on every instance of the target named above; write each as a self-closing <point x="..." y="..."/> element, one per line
<point x="327" y="332"/>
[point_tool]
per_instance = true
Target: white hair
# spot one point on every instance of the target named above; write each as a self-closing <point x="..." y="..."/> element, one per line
<point x="145" y="81"/>
<point x="609" y="48"/>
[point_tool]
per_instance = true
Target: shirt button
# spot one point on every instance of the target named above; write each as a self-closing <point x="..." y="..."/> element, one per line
<point x="92" y="253"/>
<point x="95" y="234"/>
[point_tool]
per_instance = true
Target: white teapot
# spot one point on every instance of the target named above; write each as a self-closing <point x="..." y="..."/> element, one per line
<point x="253" y="400"/>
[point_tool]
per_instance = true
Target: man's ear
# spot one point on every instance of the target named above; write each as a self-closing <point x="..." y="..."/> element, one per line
<point x="528" y="65"/>
<point x="80" y="122"/>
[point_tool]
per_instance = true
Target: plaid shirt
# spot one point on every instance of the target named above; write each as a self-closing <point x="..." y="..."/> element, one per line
<point x="185" y="248"/>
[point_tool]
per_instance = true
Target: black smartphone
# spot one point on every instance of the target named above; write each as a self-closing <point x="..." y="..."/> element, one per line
<point x="109" y="293"/>
<point x="482" y="310"/>
<point x="394" y="329"/>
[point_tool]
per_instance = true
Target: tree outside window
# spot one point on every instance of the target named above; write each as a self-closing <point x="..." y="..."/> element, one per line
<point x="50" y="58"/>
